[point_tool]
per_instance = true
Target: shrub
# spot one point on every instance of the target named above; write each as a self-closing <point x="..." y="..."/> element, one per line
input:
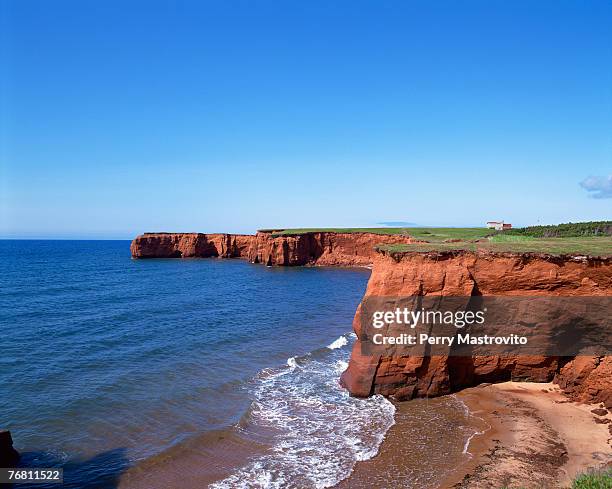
<point x="568" y="230"/>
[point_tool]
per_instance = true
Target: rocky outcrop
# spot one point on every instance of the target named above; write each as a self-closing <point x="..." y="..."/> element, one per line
<point x="462" y="273"/>
<point x="587" y="379"/>
<point x="190" y="245"/>
<point x="8" y="455"/>
<point x="319" y="248"/>
<point x="314" y="248"/>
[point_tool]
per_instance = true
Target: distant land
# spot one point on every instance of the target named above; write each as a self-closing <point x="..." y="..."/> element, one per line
<point x="397" y="223"/>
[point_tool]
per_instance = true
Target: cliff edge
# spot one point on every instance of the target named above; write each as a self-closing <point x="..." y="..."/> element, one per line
<point x="464" y="273"/>
<point x="310" y="248"/>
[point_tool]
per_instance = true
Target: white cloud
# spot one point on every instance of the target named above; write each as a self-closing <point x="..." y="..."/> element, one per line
<point x="600" y="187"/>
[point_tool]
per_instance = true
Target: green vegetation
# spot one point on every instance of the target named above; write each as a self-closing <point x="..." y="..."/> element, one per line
<point x="428" y="234"/>
<point x="594" y="480"/>
<point x="553" y="246"/>
<point x="510" y="238"/>
<point x="568" y="230"/>
<point x="290" y="232"/>
<point x="586" y="238"/>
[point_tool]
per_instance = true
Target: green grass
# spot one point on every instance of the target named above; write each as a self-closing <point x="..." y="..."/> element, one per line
<point x="290" y="232"/>
<point x="568" y="230"/>
<point x="590" y="238"/>
<point x="438" y="235"/>
<point x="594" y="480"/>
<point x="509" y="238"/>
<point x="428" y="234"/>
<point x="553" y="246"/>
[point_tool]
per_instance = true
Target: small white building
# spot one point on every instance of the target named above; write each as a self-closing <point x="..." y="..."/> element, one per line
<point x="498" y="225"/>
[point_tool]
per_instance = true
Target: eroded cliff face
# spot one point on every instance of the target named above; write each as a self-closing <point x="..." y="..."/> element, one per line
<point x="321" y="248"/>
<point x="587" y="379"/>
<point x="462" y="273"/>
<point x="190" y="245"/>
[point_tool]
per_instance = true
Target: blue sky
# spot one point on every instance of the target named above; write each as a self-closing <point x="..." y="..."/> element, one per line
<point x="124" y="117"/>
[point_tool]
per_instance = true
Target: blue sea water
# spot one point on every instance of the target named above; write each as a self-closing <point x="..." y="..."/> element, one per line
<point x="108" y="363"/>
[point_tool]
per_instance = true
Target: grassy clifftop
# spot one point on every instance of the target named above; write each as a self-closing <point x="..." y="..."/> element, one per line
<point x="590" y="246"/>
<point x="433" y="234"/>
<point x="586" y="238"/>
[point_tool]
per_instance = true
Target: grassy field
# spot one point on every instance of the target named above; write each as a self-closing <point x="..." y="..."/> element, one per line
<point x="429" y="234"/>
<point x="592" y="246"/>
<point x="290" y="232"/>
<point x="576" y="238"/>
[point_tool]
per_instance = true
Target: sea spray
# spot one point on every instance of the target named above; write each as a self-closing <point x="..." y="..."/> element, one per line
<point x="338" y="343"/>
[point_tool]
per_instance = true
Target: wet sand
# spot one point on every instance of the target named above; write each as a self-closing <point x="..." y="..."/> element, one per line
<point x="422" y="448"/>
<point x="527" y="435"/>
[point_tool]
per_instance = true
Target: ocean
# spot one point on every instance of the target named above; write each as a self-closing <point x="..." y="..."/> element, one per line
<point x="180" y="373"/>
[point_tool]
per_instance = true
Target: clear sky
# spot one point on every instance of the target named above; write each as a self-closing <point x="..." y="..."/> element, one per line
<point x="119" y="117"/>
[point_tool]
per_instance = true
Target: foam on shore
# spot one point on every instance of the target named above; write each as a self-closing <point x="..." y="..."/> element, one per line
<point x="319" y="431"/>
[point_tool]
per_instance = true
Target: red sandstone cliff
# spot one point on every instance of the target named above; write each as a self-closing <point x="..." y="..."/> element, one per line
<point x="453" y="273"/>
<point x="190" y="245"/>
<point x="466" y="274"/>
<point x="318" y="248"/>
<point x="587" y="379"/>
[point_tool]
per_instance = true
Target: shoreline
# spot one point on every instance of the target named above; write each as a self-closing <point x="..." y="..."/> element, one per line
<point x="527" y="435"/>
<point x="420" y="449"/>
<point x="537" y="434"/>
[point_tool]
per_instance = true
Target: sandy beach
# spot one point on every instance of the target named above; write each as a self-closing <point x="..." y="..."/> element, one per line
<point x="536" y="437"/>
<point x="528" y="435"/>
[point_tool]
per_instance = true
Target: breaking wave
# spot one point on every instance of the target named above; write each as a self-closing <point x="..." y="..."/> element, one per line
<point x="320" y="432"/>
<point x="339" y="343"/>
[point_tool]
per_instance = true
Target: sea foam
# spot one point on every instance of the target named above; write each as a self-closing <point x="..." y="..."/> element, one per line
<point x="322" y="431"/>
<point x="339" y="343"/>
